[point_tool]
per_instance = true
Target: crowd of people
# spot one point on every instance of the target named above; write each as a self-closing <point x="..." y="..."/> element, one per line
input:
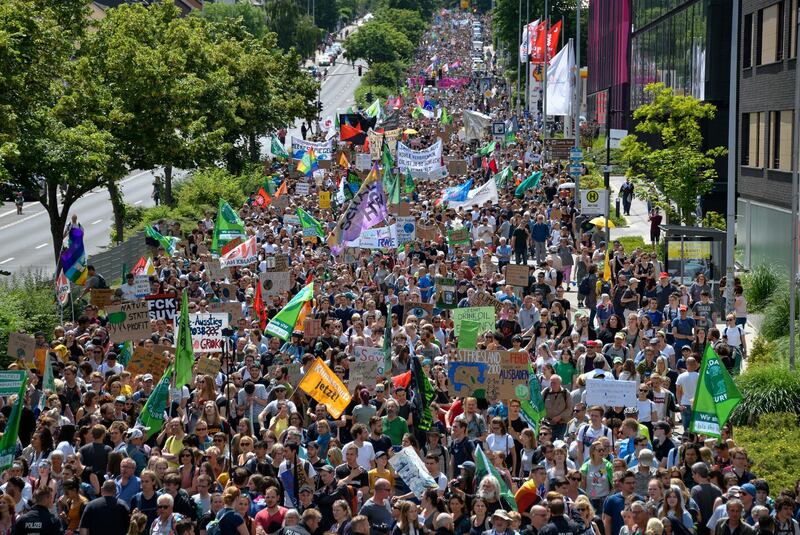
<point x="245" y="451"/>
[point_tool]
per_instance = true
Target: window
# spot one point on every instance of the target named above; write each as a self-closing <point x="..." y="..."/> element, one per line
<point x="792" y="29"/>
<point x="780" y="140"/>
<point x="769" y="38"/>
<point x="747" y="42"/>
<point x="753" y="130"/>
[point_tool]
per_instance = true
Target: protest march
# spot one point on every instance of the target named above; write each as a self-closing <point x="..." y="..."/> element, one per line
<point x="409" y="328"/>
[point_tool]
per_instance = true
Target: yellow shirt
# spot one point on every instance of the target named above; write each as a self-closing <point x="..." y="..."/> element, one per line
<point x="173" y="446"/>
<point x="376" y="473"/>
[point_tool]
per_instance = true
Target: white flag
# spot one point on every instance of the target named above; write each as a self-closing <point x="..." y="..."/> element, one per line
<point x="528" y="37"/>
<point x="62" y="288"/>
<point x="560" y="75"/>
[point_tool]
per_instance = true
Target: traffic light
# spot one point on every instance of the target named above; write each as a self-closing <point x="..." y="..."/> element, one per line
<point x="369" y="96"/>
<point x="359" y="70"/>
<point x="319" y="106"/>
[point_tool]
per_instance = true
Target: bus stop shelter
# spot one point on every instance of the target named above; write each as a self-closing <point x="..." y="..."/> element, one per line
<point x="693" y="250"/>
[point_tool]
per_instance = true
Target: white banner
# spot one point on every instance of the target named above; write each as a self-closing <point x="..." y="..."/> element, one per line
<point x="611" y="393"/>
<point x="475" y="124"/>
<point x="410" y="467"/>
<point x="406" y="229"/>
<point x="243" y="254"/>
<point x="376" y="238"/>
<point x="487" y="192"/>
<point x="419" y="162"/>
<point x="560" y="75"/>
<point x="206" y="330"/>
<point x="323" y="150"/>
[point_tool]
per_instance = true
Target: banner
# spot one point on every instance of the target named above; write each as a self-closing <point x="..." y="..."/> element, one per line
<point x="475" y="124"/>
<point x="611" y="393"/>
<point x="324" y="386"/>
<point x="376" y="140"/>
<point x="206" y="330"/>
<point x="243" y="254"/>
<point x="128" y="321"/>
<point x="376" y="238"/>
<point x="162" y="307"/>
<point x="715" y="398"/>
<point x="8" y="442"/>
<point x="367" y="209"/>
<point x="478" y="196"/>
<point x="419" y="162"/>
<point x="367" y="367"/>
<point x="323" y="149"/>
<point x="485" y="316"/>
<point x="11" y="380"/>
<point x="560" y="75"/>
<point x="411" y="469"/>
<point x="406" y="229"/>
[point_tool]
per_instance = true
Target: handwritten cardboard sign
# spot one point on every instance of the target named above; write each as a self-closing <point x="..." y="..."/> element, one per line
<point x="153" y="362"/>
<point x="162" y="307"/>
<point x="206" y="330"/>
<point x="367" y="367"/>
<point x="278" y="262"/>
<point x="488" y="374"/>
<point x="427" y="232"/>
<point x="312" y="328"/>
<point x="274" y="283"/>
<point x="486" y="299"/>
<point x="128" y="321"/>
<point x="517" y="275"/>
<point x="101" y="297"/>
<point x="208" y="366"/>
<point x="232" y="308"/>
<point x="21" y="346"/>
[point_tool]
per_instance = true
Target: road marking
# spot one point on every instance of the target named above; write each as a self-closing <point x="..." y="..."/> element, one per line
<point x="7" y="260"/>
<point x="138" y="202"/>
<point x="40" y="246"/>
<point x="22" y="220"/>
<point x="96" y="222"/>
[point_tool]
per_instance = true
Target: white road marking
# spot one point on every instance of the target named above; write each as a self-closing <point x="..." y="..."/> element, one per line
<point x="17" y="222"/>
<point x="96" y="222"/>
<point x="6" y="261"/>
<point x="40" y="246"/>
<point x="138" y="202"/>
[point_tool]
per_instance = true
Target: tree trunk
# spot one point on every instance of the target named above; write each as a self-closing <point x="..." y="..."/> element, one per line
<point x="168" y="185"/>
<point x="58" y="220"/>
<point x="119" y="209"/>
<point x="255" y="148"/>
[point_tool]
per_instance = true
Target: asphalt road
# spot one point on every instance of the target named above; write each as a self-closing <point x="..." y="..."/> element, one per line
<point x="25" y="241"/>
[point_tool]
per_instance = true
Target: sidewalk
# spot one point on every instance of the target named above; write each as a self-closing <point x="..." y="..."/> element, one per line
<point x="638" y="224"/>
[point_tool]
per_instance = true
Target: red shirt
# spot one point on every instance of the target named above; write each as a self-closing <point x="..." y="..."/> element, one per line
<point x="271" y="522"/>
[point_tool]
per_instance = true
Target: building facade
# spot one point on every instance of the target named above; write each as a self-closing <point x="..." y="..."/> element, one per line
<point x="767" y="63"/>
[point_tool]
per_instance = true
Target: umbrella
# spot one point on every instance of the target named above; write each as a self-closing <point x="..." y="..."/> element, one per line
<point x="600" y="221"/>
<point x="567" y="185"/>
<point x="410" y="131"/>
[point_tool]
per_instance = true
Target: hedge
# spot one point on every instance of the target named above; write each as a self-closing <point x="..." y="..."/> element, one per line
<point x="774" y="447"/>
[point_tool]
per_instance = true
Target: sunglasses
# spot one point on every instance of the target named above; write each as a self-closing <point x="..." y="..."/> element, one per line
<point x="162" y="506"/>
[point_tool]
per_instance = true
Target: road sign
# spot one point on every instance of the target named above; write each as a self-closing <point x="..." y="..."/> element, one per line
<point x="575" y="154"/>
<point x="575" y="170"/>
<point x="594" y="201"/>
<point x="616" y="137"/>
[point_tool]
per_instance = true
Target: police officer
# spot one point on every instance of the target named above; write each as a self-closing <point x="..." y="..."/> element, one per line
<point x="39" y="520"/>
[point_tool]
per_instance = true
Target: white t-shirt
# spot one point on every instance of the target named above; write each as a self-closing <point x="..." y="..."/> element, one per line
<point x="688" y="382"/>
<point x="504" y="443"/>
<point x="366" y="454"/>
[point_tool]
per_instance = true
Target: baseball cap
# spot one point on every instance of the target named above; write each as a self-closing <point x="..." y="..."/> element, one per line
<point x="121" y="399"/>
<point x="379" y="388"/>
<point x="750" y="489"/>
<point x="664" y="426"/>
<point x="467" y="465"/>
<point x="618" y="360"/>
<point x="663" y="275"/>
<point x="734" y="491"/>
<point x="326" y="468"/>
<point x="135" y="433"/>
<point x="147" y="377"/>
<point x="306" y="488"/>
<point x="633" y="279"/>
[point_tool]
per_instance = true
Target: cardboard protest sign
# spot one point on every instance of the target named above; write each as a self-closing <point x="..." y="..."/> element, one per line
<point x="311" y="329"/>
<point x="295" y="372"/>
<point x="162" y="307"/>
<point x="214" y="270"/>
<point x="483" y="316"/>
<point x="411" y="469"/>
<point x="153" y="362"/>
<point x="101" y="298"/>
<point x="325" y="200"/>
<point x="21" y="347"/>
<point x="206" y="330"/>
<point x="611" y="393"/>
<point x="419" y="310"/>
<point x="517" y="275"/>
<point x="232" y="308"/>
<point x="402" y="209"/>
<point x="486" y="299"/>
<point x="457" y="167"/>
<point x="277" y="262"/>
<point x="427" y="232"/>
<point x="446" y="293"/>
<point x="128" y="321"/>
<point x="227" y="291"/>
<point x="367" y="367"/>
<point x="406" y="228"/>
<point x="275" y="283"/>
<point x="458" y="236"/>
<point x="281" y="202"/>
<point x="208" y="366"/>
<point x="487" y="374"/>
<point x="324" y="386"/>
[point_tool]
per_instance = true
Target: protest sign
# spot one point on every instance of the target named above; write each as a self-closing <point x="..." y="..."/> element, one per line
<point x="468" y="339"/>
<point x="101" y="297"/>
<point x="419" y="162"/>
<point x="278" y="262"/>
<point x="402" y="209"/>
<point x="363" y="161"/>
<point x="243" y="254"/>
<point x="280" y="203"/>
<point x="144" y="361"/>
<point x="517" y="275"/>
<point x="162" y="307"/>
<point x="484" y="316"/>
<point x="10" y="381"/>
<point x="232" y="308"/>
<point x="513" y="374"/>
<point x="489" y="374"/>
<point x="208" y="366"/>
<point x="206" y="330"/>
<point x="21" y="346"/>
<point x="611" y="393"/>
<point x="312" y="329"/>
<point x="322" y="149"/>
<point x="486" y="299"/>
<point x="275" y="283"/>
<point x="411" y="469"/>
<point x="214" y="271"/>
<point x="446" y="293"/>
<point x="141" y="285"/>
<point x="128" y="321"/>
<point x="422" y="311"/>
<point x="295" y="373"/>
<point x="457" y="167"/>
<point x="367" y="367"/>
<point x="427" y="232"/>
<point x="406" y="229"/>
<point x="325" y="200"/>
<point x="458" y="236"/>
<point x="376" y="238"/>
<point x="324" y="386"/>
<point x="302" y="188"/>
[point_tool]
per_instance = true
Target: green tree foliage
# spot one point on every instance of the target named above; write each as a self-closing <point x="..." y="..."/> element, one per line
<point x="774" y="447"/>
<point x="326" y="15"/>
<point x="674" y="169"/>
<point x="378" y="42"/>
<point x="294" y="28"/>
<point x="409" y="23"/>
<point x="254" y="19"/>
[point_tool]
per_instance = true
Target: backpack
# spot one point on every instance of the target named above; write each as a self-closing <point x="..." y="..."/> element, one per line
<point x="101" y="282"/>
<point x="585" y="286"/>
<point x="213" y="527"/>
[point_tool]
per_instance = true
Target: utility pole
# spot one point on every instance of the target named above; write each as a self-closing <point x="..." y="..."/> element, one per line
<point x="795" y="179"/>
<point x="577" y="110"/>
<point x="544" y="67"/>
<point x="732" y="129"/>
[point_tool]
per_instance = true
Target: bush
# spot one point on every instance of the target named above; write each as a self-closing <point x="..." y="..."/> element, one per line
<point x="776" y="317"/>
<point x="760" y="285"/>
<point x="27" y="304"/>
<point x="774" y="447"/>
<point x="765" y="390"/>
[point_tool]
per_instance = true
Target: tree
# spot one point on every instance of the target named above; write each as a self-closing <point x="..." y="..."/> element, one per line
<point x="294" y="28"/>
<point x="326" y="14"/>
<point x="673" y="170"/>
<point x="378" y="42"/>
<point x="45" y="142"/>
<point x="254" y="19"/>
<point x="409" y="23"/>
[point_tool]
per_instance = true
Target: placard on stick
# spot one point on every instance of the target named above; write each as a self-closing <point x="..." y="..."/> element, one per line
<point x="153" y="362"/>
<point x="208" y="366"/>
<point x="275" y="283"/>
<point x="21" y="346"/>
<point x="128" y="321"/>
<point x="101" y="297"/>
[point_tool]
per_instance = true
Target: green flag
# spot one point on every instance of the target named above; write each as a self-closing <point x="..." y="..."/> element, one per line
<point x="468" y="334"/>
<point x="374" y="109"/>
<point x="531" y="401"/>
<point x="311" y="227"/>
<point x="48" y="383"/>
<point x="227" y="227"/>
<point x="8" y="442"/>
<point x="715" y="398"/>
<point x="277" y="149"/>
<point x="184" y="352"/>
<point x="269" y="186"/>
<point x="529" y="183"/>
<point x="409" y="185"/>
<point x="386" y="156"/>
<point x="125" y="352"/>
<point x="169" y="243"/>
<point x="446" y="118"/>
<point x="510" y="139"/>
<point x="484" y="467"/>
<point x="284" y="321"/>
<point x="501" y="178"/>
<point x="487" y="149"/>
<point x="353" y="178"/>
<point x="153" y="413"/>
